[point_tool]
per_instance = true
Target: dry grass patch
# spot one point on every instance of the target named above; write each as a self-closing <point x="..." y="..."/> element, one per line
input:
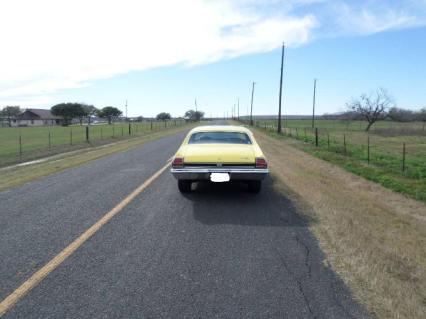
<point x="375" y="239"/>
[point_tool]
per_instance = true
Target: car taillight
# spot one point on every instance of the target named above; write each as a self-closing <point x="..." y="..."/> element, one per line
<point x="177" y="162"/>
<point x="261" y="162"/>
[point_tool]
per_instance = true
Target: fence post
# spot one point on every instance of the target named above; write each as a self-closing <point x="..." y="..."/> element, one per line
<point x="50" y="143"/>
<point x="122" y="131"/>
<point x="20" y="146"/>
<point x="297" y="133"/>
<point x="151" y="125"/>
<point x="165" y="123"/>
<point x="87" y="134"/>
<point x="344" y="143"/>
<point x="113" y="131"/>
<point x="368" y="149"/>
<point x="328" y="140"/>
<point x="316" y="136"/>
<point x="71" y="136"/>
<point x="403" y="156"/>
<point x="130" y="129"/>
<point x="102" y="135"/>
<point x="305" y="133"/>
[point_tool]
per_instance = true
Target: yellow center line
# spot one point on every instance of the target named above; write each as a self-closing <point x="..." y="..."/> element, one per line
<point x="37" y="277"/>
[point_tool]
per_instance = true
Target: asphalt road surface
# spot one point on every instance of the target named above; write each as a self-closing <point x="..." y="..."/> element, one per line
<point x="218" y="252"/>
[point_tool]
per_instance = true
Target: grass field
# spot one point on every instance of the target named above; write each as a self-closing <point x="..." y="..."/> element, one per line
<point x="19" y="175"/>
<point x="19" y="144"/>
<point x="378" y="155"/>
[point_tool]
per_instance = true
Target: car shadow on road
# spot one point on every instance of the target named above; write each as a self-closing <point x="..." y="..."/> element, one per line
<point x="231" y="203"/>
<point x="293" y="244"/>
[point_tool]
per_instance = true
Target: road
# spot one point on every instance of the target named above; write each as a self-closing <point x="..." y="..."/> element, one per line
<point x="218" y="252"/>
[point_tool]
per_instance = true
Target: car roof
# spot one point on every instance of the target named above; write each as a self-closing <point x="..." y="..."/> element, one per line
<point x="220" y="128"/>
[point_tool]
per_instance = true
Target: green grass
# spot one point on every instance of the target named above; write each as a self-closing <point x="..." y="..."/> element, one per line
<point x="19" y="175"/>
<point x="385" y="165"/>
<point x="35" y="140"/>
<point x="339" y="125"/>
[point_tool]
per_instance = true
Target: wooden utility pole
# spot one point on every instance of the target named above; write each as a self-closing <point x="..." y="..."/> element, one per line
<point x="313" y="103"/>
<point x="238" y="116"/>
<point x="251" y="110"/>
<point x="281" y="90"/>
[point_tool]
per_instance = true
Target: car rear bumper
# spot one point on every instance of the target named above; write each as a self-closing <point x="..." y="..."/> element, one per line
<point x="203" y="173"/>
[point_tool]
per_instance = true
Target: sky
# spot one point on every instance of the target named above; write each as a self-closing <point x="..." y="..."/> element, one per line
<point x="162" y="55"/>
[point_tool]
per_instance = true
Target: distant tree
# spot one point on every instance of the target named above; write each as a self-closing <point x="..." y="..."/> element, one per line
<point x="163" y="116"/>
<point x="401" y="115"/>
<point x="10" y="112"/>
<point x="109" y="112"/>
<point x="139" y="119"/>
<point x="69" y="111"/>
<point x="90" y="111"/>
<point x="192" y="115"/>
<point x="372" y="107"/>
<point x="328" y="116"/>
<point x="421" y="116"/>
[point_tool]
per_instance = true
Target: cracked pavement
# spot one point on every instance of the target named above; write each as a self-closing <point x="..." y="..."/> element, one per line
<point x="218" y="252"/>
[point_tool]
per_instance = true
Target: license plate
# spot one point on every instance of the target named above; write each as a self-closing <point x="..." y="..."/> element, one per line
<point x="219" y="177"/>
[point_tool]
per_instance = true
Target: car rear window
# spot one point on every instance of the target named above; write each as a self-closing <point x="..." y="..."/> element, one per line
<point x="219" y="137"/>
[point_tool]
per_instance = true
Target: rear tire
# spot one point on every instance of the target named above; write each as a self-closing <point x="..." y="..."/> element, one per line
<point x="254" y="186"/>
<point x="184" y="185"/>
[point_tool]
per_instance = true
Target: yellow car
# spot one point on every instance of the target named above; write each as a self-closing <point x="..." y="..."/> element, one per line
<point x="219" y="154"/>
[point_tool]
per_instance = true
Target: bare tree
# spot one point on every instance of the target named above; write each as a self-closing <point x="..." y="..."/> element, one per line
<point x="372" y="107"/>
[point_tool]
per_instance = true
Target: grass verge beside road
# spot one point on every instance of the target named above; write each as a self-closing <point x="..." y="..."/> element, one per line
<point x="381" y="162"/>
<point x="21" y="144"/>
<point x="16" y="176"/>
<point x="374" y="238"/>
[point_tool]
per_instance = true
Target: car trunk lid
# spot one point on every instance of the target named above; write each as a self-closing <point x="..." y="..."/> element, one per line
<point x="219" y="153"/>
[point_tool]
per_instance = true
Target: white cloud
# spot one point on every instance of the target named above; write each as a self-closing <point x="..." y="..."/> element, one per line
<point x="372" y="17"/>
<point x="49" y="44"/>
<point x="29" y="101"/>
